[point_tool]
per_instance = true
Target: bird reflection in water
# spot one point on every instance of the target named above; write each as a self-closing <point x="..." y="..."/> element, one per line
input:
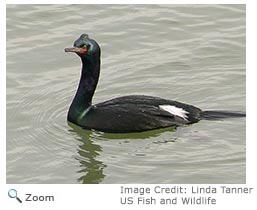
<point x="92" y="169"/>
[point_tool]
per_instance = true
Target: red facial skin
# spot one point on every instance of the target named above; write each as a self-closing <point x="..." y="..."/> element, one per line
<point x="78" y="50"/>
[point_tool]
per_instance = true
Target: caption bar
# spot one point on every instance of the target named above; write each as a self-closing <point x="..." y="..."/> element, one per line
<point x="178" y="195"/>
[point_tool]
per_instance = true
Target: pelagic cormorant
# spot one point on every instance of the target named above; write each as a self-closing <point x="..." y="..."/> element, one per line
<point x="133" y="113"/>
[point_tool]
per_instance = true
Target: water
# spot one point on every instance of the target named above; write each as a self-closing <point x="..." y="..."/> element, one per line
<point x="190" y="53"/>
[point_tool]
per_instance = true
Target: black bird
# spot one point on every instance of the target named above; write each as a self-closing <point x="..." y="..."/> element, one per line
<point x="133" y="113"/>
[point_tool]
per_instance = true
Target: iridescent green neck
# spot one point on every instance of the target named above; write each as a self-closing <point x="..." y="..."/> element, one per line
<point x="87" y="85"/>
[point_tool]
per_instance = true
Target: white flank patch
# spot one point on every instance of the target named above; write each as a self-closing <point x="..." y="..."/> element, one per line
<point x="175" y="111"/>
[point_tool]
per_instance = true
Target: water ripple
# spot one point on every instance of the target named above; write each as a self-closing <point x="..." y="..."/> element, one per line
<point x="190" y="53"/>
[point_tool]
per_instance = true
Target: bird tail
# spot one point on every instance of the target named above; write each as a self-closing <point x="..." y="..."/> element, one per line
<point x="216" y="115"/>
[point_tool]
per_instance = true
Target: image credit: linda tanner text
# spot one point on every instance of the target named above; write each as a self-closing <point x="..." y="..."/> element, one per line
<point x="178" y="195"/>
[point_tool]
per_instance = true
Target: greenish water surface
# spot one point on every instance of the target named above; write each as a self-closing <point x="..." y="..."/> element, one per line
<point x="190" y="53"/>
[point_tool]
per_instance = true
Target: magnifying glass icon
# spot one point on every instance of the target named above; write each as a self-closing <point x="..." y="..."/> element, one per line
<point x="12" y="193"/>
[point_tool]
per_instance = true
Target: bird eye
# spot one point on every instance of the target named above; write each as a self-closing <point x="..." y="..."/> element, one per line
<point x="88" y="46"/>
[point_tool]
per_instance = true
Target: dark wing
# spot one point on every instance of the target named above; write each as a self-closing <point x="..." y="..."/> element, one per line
<point x="153" y="105"/>
<point x="132" y="114"/>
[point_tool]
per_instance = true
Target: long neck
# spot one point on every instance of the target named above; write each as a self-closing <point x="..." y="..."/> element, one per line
<point x="87" y="85"/>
